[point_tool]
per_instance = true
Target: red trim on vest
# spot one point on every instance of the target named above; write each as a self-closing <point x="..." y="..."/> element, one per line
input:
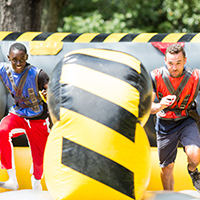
<point x="189" y="89"/>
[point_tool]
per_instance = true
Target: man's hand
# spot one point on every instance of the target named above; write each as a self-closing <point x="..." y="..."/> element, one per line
<point x="43" y="94"/>
<point x="167" y="101"/>
<point x="164" y="103"/>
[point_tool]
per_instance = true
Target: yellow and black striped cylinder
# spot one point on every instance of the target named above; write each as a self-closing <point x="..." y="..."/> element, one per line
<point x="99" y="100"/>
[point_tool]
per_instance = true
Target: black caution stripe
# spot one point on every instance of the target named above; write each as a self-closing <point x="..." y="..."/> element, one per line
<point x="99" y="109"/>
<point x="70" y="37"/>
<point x="108" y="172"/>
<point x="158" y="38"/>
<point x="100" y="37"/>
<point x="12" y="36"/>
<point x="128" y="37"/>
<point x="187" y="37"/>
<point x="42" y="37"/>
<point x="112" y="68"/>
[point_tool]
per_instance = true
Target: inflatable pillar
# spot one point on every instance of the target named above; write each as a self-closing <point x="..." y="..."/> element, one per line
<point x="99" y="101"/>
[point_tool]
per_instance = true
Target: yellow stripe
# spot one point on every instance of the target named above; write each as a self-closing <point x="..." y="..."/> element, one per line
<point x="57" y="37"/>
<point x="114" y="56"/>
<point x="28" y="36"/>
<point x="196" y="38"/>
<point x="45" y="47"/>
<point x="143" y="37"/>
<point x="114" y="37"/>
<point x="86" y="37"/>
<point x="115" y="146"/>
<point x="173" y="37"/>
<point x="3" y="34"/>
<point x="103" y="85"/>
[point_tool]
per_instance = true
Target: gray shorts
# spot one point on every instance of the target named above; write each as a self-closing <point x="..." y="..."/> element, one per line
<point x="168" y="143"/>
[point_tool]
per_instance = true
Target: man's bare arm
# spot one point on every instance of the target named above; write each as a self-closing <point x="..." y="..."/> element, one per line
<point x="164" y="103"/>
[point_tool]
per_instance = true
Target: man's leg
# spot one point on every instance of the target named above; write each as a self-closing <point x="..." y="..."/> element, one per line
<point x="167" y="150"/>
<point x="37" y="136"/>
<point x="11" y="183"/>
<point x="167" y="177"/>
<point x="193" y="157"/>
<point x="9" y="127"/>
<point x="190" y="139"/>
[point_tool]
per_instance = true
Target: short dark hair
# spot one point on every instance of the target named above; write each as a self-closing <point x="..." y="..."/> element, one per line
<point x="18" y="46"/>
<point x="175" y="49"/>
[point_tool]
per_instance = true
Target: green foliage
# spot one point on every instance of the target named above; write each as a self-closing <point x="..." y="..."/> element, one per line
<point x="183" y="16"/>
<point x="131" y="16"/>
<point x="94" y="23"/>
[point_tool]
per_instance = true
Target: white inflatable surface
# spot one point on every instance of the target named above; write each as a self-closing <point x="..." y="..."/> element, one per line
<point x="171" y="195"/>
<point x="149" y="195"/>
<point x="26" y="195"/>
<point x="193" y="193"/>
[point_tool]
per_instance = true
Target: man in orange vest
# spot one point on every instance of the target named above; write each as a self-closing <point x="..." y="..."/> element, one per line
<point x="176" y="88"/>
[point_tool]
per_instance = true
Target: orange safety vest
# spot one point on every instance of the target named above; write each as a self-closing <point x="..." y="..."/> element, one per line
<point x="185" y="88"/>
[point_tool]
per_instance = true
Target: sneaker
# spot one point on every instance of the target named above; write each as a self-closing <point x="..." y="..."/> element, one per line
<point x="36" y="184"/>
<point x="195" y="176"/>
<point x="10" y="184"/>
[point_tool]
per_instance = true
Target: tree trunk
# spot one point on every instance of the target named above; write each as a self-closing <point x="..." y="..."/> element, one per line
<point x="20" y="15"/>
<point x="51" y="14"/>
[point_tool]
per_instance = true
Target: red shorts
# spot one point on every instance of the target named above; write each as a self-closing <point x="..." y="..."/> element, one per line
<point x="37" y="132"/>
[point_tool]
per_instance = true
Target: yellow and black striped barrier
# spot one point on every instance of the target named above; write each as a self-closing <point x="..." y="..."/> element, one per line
<point x="99" y="37"/>
<point x="52" y="43"/>
<point x="99" y="100"/>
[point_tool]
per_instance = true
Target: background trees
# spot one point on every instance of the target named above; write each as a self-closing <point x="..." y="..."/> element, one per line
<point x="102" y="16"/>
<point x="162" y="16"/>
<point x="20" y="15"/>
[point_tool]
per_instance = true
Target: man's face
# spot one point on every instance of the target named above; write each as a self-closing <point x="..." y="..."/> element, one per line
<point x="18" y="60"/>
<point x="175" y="63"/>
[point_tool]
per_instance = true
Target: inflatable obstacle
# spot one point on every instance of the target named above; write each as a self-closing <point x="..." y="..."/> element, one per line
<point x="138" y="45"/>
<point x="99" y="100"/>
